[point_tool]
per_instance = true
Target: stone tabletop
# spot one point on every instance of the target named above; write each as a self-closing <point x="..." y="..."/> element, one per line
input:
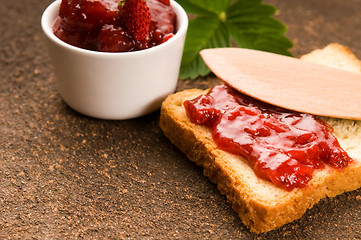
<point x="67" y="176"/>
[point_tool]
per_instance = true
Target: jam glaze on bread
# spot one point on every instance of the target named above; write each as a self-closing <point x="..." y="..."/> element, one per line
<point x="260" y="204"/>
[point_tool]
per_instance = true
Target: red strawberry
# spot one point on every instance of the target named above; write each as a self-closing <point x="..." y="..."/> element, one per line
<point x="113" y="39"/>
<point x="167" y="37"/>
<point x="86" y="15"/>
<point x="135" y="16"/>
<point x="165" y="2"/>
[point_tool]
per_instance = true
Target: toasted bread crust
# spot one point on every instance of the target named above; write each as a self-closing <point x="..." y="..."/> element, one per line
<point x="335" y="55"/>
<point x="261" y="205"/>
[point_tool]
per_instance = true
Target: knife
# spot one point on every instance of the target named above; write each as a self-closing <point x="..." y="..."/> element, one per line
<point x="288" y="82"/>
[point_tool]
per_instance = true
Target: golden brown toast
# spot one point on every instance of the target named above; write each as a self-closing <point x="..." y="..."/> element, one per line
<point x="260" y="204"/>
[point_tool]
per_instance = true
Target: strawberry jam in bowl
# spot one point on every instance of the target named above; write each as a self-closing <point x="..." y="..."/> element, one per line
<point x="115" y="59"/>
<point x="114" y="25"/>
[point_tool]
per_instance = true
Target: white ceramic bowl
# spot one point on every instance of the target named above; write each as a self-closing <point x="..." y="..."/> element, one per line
<point x="115" y="85"/>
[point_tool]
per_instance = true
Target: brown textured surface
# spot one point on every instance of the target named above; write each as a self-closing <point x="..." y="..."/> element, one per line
<point x="64" y="175"/>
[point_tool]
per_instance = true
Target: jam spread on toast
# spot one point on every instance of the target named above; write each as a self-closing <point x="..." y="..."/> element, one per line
<point x="114" y="25"/>
<point x="282" y="146"/>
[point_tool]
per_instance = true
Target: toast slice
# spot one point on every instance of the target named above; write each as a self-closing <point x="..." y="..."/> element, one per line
<point x="260" y="204"/>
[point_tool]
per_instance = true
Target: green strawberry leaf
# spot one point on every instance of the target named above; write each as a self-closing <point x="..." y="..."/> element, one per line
<point x="213" y="34"/>
<point x="205" y="6"/>
<point x="215" y="23"/>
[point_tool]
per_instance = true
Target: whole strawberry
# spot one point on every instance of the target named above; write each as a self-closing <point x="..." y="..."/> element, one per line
<point x="135" y="16"/>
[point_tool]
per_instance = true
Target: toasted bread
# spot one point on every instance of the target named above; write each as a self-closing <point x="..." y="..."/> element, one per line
<point x="260" y="204"/>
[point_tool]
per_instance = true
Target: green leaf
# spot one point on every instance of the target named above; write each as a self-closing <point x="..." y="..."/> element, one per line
<point x="241" y="7"/>
<point x="269" y="42"/>
<point x="205" y="7"/>
<point x="250" y="24"/>
<point x="254" y="28"/>
<point x="191" y="8"/>
<point x="203" y="32"/>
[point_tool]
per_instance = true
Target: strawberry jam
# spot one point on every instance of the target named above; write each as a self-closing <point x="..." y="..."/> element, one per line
<point x="97" y="25"/>
<point x="282" y="146"/>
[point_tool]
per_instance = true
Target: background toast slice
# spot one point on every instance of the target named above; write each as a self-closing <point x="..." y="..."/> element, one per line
<point x="261" y="205"/>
